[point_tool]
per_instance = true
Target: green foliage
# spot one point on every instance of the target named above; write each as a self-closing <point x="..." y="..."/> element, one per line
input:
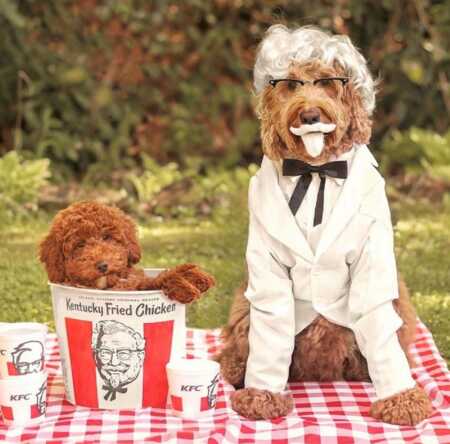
<point x="169" y="191"/>
<point x="220" y="185"/>
<point x="154" y="179"/>
<point x="20" y="183"/>
<point x="92" y="84"/>
<point x="417" y="151"/>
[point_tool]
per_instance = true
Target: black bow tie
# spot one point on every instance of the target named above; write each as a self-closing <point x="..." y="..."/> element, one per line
<point x="293" y="167"/>
<point x="111" y="391"/>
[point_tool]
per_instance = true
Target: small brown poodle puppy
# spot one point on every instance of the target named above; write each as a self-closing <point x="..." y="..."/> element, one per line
<point x="95" y="246"/>
<point x="323" y="351"/>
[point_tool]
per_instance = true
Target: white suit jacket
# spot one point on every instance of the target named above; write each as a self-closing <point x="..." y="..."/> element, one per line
<point x="351" y="278"/>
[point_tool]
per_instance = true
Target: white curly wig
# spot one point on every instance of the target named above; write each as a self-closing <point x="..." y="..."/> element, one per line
<point x="281" y="46"/>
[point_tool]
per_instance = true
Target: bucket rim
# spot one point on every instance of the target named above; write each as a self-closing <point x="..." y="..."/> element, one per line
<point x="103" y="292"/>
<point x="116" y="292"/>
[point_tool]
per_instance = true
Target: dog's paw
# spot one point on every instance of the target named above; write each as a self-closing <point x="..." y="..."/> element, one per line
<point x="179" y="289"/>
<point x="406" y="408"/>
<point x="261" y="404"/>
<point x="196" y="276"/>
<point x="184" y="283"/>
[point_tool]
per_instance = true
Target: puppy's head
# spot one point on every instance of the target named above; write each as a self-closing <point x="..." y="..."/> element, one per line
<point x="88" y="242"/>
<point x="315" y="94"/>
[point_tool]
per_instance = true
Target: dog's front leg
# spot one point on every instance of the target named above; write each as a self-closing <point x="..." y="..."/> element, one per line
<point x="271" y="343"/>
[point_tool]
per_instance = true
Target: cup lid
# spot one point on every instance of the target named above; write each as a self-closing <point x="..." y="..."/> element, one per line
<point x="195" y="365"/>
<point x="21" y="381"/>
<point x="22" y="328"/>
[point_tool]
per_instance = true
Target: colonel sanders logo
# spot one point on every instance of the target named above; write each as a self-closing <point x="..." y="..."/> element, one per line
<point x="28" y="357"/>
<point x="119" y="355"/>
<point x="212" y="391"/>
<point x="41" y="399"/>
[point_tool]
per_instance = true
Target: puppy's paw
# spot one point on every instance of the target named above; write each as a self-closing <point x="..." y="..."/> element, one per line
<point x="261" y="404"/>
<point x="179" y="289"/>
<point x="196" y="276"/>
<point x="406" y="408"/>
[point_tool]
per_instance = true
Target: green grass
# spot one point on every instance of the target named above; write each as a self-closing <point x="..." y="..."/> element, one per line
<point x="218" y="245"/>
<point x="422" y="246"/>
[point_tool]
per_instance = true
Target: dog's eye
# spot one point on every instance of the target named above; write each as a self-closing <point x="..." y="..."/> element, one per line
<point x="106" y="237"/>
<point x="324" y="82"/>
<point x="80" y="244"/>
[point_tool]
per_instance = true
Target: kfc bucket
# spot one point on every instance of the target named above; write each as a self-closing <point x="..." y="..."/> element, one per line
<point x="115" y="344"/>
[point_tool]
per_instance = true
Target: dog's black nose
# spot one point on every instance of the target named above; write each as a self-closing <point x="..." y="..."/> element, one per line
<point x="102" y="266"/>
<point x="310" y="116"/>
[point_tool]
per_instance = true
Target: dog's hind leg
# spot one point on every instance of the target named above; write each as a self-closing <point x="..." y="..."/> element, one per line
<point x="326" y="352"/>
<point x="233" y="357"/>
<point x="406" y="333"/>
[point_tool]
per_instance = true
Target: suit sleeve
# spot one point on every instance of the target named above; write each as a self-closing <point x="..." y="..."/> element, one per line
<point x="272" y="315"/>
<point x="374" y="286"/>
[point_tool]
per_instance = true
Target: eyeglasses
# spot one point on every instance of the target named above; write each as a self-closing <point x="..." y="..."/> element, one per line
<point x="26" y="367"/>
<point x="123" y="354"/>
<point x="322" y="82"/>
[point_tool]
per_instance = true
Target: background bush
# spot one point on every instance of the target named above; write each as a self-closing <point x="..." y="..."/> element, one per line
<point x="20" y="184"/>
<point x="94" y="85"/>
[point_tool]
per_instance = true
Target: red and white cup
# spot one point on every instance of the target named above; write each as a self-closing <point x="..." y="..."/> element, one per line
<point x="23" y="399"/>
<point x="22" y="348"/>
<point x="192" y="386"/>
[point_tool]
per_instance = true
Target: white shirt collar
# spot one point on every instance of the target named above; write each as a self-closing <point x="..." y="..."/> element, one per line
<point x="348" y="156"/>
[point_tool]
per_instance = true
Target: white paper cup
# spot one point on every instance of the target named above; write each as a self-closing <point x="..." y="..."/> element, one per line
<point x="22" y="348"/>
<point x="23" y="399"/>
<point x="192" y="386"/>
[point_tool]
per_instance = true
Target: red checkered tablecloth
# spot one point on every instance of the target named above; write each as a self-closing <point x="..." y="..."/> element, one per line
<point x="332" y="413"/>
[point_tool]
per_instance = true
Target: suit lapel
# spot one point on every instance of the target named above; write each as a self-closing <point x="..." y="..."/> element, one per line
<point x="362" y="178"/>
<point x="273" y="212"/>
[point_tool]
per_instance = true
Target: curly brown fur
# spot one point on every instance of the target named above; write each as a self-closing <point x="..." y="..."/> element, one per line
<point x="234" y="354"/>
<point x="406" y="408"/>
<point x="199" y="282"/>
<point x="94" y="245"/>
<point x="405" y="310"/>
<point x="331" y="354"/>
<point x="261" y="404"/>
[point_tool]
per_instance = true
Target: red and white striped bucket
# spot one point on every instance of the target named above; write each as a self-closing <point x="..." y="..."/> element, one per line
<point x="115" y="345"/>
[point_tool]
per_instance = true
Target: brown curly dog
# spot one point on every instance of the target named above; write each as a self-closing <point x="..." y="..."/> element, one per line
<point x="323" y="351"/>
<point x="94" y="245"/>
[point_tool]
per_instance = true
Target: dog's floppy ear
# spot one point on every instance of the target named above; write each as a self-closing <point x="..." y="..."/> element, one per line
<point x="51" y="255"/>
<point x="360" y="128"/>
<point x="272" y="145"/>
<point x="134" y="250"/>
